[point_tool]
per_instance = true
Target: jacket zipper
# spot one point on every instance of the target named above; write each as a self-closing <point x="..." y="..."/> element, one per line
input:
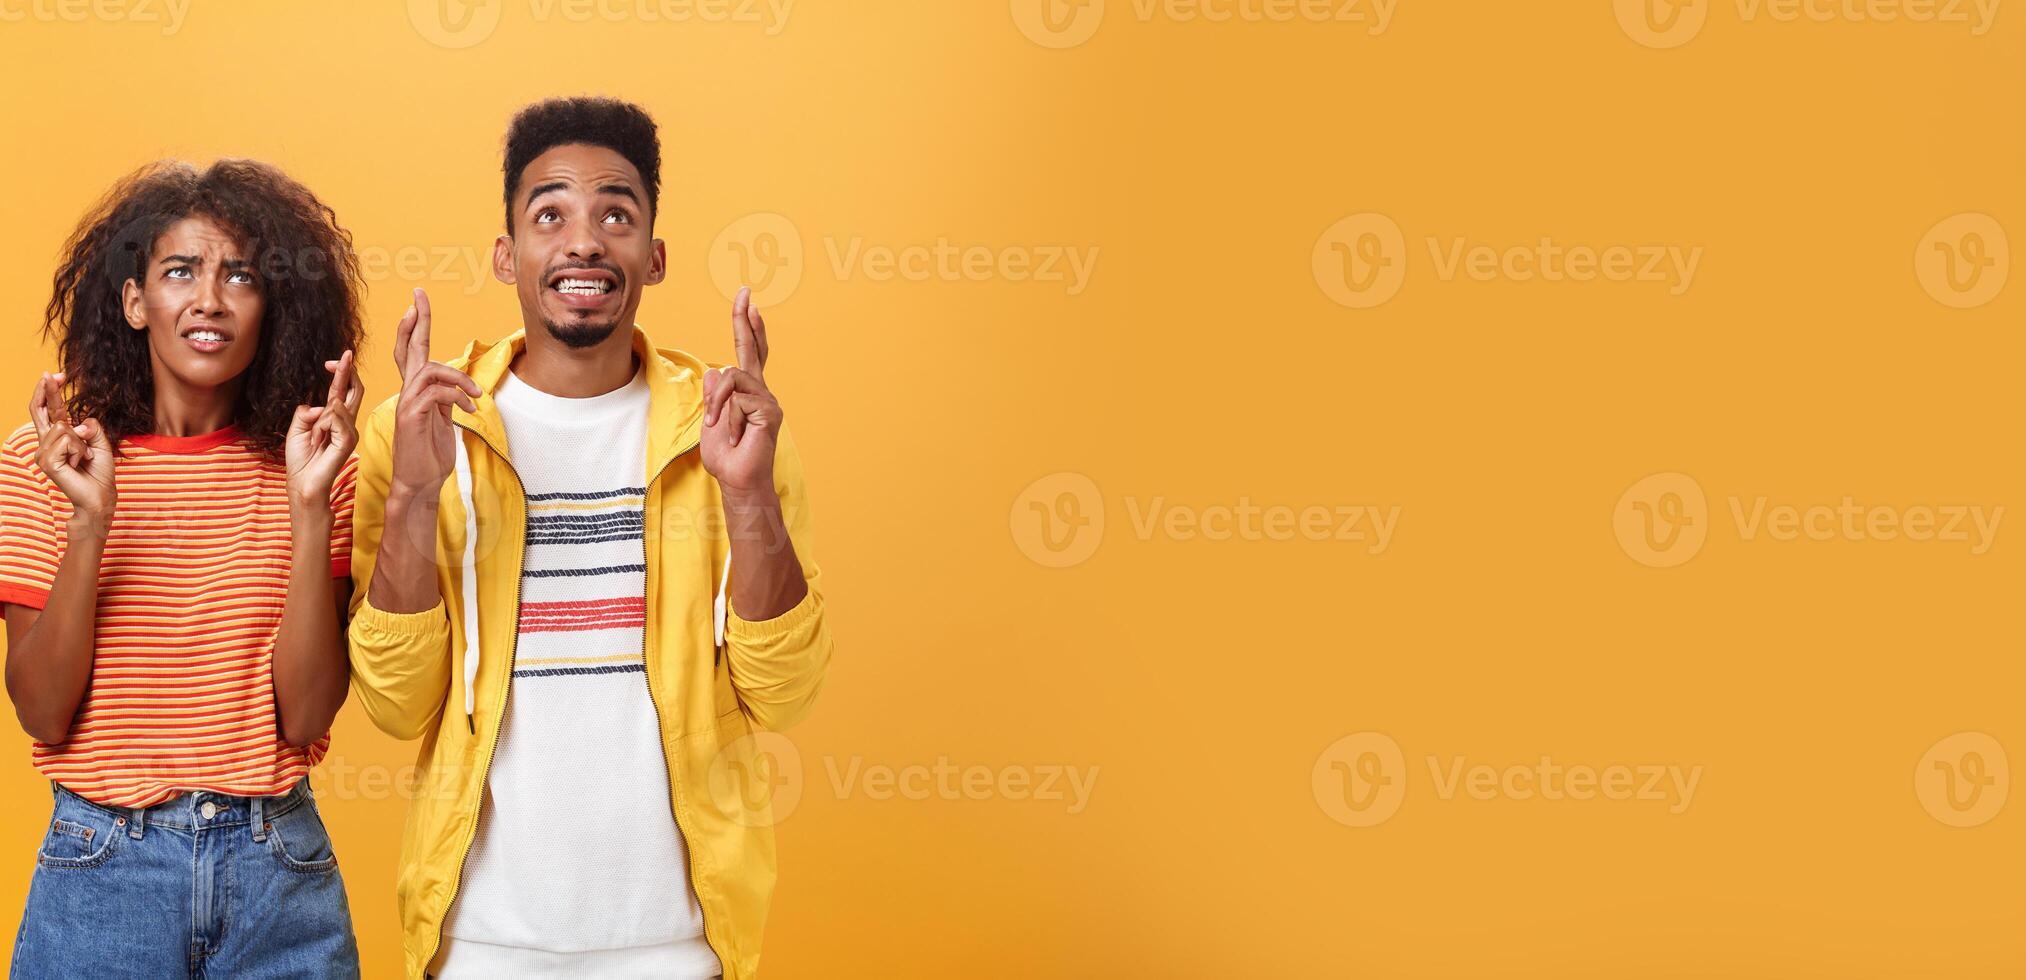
<point x="674" y="811"/>
<point x="513" y="654"/>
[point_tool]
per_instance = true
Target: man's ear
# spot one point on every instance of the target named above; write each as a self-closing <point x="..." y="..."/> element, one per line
<point x="503" y="259"/>
<point x="657" y="263"/>
<point x="130" y="297"/>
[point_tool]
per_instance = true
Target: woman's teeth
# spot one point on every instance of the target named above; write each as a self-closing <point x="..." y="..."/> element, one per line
<point x="584" y="287"/>
<point x="207" y="336"/>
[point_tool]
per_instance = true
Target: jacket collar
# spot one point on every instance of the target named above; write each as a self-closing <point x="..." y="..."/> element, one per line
<point x="674" y="385"/>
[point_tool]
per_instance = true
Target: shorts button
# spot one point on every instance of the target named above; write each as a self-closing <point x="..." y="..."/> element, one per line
<point x="209" y="809"/>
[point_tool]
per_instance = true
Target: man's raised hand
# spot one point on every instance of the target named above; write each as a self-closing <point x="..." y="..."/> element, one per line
<point x="742" y="419"/>
<point x="424" y="443"/>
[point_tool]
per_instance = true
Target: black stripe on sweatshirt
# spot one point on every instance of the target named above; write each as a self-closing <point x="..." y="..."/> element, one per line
<point x="586" y="520"/>
<point x="634" y="535"/>
<point x="581" y="671"/>
<point x="583" y="572"/>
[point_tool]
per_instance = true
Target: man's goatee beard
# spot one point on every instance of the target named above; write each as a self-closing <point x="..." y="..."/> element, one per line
<point x="581" y="335"/>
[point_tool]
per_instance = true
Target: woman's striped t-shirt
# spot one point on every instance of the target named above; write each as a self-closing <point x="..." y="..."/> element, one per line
<point x="191" y="589"/>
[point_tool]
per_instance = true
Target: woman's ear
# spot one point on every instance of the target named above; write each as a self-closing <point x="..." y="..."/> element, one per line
<point x="130" y="297"/>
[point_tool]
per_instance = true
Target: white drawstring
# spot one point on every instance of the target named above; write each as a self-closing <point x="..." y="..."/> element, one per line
<point x="718" y="606"/>
<point x="468" y="581"/>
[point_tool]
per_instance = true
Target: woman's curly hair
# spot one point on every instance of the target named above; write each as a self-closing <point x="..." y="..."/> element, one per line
<point x="301" y="258"/>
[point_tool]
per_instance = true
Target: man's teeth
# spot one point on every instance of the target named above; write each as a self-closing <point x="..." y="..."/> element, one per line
<point x="207" y="336"/>
<point x="584" y="287"/>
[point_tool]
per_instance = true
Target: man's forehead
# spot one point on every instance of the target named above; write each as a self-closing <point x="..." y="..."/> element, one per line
<point x="586" y="167"/>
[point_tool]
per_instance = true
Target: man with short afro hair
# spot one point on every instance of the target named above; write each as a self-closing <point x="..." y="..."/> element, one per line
<point x="585" y="582"/>
<point x="622" y="127"/>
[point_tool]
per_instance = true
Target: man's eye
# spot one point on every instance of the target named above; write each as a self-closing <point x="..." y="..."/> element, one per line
<point x="548" y="214"/>
<point x="176" y="272"/>
<point x="619" y="217"/>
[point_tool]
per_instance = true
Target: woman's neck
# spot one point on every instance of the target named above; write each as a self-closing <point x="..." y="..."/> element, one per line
<point x="181" y="411"/>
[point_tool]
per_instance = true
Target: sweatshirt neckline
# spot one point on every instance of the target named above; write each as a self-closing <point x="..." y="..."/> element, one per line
<point x="515" y="392"/>
<point x="183" y="445"/>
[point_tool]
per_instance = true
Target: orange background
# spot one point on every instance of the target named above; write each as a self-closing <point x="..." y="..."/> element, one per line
<point x="1205" y="366"/>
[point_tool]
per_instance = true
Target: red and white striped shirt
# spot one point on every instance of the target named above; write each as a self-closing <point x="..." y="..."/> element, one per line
<point x="191" y="590"/>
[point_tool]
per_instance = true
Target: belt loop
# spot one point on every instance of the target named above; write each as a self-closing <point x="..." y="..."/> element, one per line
<point x="137" y="819"/>
<point x="256" y="810"/>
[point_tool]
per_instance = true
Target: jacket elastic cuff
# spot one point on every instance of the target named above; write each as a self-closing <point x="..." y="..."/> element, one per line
<point x="427" y="623"/>
<point x="781" y="625"/>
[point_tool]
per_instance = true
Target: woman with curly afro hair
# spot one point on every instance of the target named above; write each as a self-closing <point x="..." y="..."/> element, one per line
<point x="175" y="539"/>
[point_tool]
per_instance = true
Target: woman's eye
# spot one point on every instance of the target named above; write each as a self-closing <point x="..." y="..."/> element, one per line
<point x="177" y="272"/>
<point x="241" y="278"/>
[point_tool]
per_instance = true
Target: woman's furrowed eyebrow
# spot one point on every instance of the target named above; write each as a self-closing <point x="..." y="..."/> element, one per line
<point x="193" y="260"/>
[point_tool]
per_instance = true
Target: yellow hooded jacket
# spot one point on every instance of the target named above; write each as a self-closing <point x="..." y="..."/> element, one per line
<point x="713" y="677"/>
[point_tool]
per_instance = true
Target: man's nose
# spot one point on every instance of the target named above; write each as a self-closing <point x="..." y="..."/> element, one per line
<point x="585" y="245"/>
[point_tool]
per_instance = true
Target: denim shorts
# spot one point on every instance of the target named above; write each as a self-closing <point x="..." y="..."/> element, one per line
<point x="202" y="885"/>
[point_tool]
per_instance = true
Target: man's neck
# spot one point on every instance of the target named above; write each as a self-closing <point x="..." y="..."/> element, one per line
<point x="555" y="368"/>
